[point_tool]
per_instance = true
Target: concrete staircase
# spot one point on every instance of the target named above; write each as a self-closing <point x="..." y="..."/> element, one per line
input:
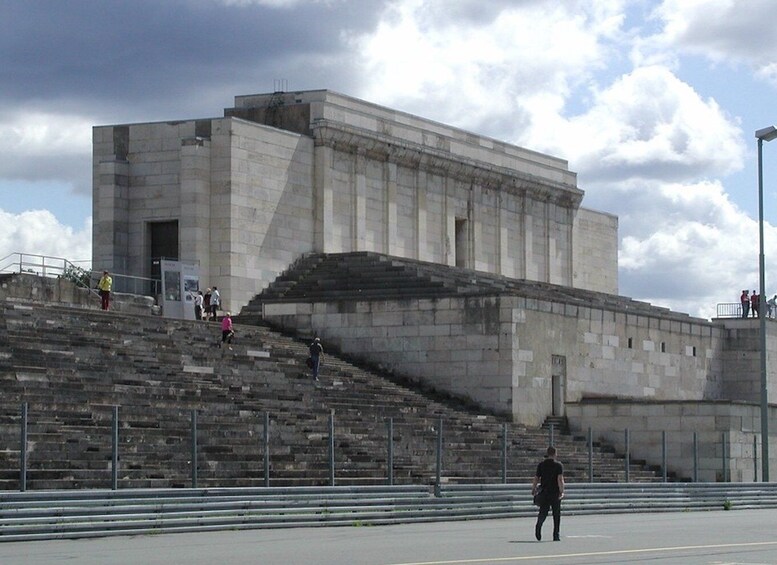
<point x="72" y="366"/>
<point x="100" y="513"/>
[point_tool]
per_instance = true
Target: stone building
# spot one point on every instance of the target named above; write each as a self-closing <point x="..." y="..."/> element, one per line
<point x="283" y="174"/>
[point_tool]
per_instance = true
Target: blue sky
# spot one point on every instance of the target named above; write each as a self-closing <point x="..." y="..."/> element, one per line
<point x="654" y="103"/>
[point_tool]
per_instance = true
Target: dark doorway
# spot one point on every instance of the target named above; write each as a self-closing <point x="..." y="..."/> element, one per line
<point x="164" y="244"/>
<point x="462" y="242"/>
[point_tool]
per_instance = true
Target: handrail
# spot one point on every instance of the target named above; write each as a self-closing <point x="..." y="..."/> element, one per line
<point x="59" y="267"/>
<point x="734" y="310"/>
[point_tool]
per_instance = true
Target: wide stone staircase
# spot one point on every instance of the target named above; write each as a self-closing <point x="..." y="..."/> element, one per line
<point x="71" y="367"/>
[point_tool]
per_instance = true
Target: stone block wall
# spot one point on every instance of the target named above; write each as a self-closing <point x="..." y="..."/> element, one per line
<point x="500" y="351"/>
<point x="595" y="251"/>
<point x="718" y="425"/>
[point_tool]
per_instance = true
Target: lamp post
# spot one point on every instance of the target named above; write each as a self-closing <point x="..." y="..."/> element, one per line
<point x="765" y="134"/>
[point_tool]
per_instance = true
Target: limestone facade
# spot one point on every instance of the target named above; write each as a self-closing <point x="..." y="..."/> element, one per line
<point x="286" y="173"/>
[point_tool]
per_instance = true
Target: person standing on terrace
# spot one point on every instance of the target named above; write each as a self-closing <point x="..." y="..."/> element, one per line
<point x="104" y="289"/>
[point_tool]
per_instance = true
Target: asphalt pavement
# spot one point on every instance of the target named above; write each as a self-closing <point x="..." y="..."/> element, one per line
<point x="687" y="538"/>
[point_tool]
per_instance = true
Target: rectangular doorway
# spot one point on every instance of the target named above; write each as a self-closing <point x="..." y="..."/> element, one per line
<point x="462" y="242"/>
<point x="163" y="244"/>
<point x="558" y="384"/>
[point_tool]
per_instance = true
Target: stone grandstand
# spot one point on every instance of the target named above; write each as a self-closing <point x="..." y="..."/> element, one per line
<point x="72" y="365"/>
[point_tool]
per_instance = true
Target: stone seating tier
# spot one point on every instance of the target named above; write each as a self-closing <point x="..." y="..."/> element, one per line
<point x="354" y="276"/>
<point x="71" y="366"/>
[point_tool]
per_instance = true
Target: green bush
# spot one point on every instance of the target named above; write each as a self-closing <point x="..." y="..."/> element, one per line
<point x="77" y="275"/>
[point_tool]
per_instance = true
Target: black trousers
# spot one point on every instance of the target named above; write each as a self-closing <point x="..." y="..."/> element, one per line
<point x="548" y="503"/>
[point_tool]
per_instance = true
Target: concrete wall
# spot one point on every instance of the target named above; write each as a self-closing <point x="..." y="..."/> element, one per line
<point x="242" y="198"/>
<point x="504" y="351"/>
<point x="595" y="251"/>
<point x="735" y="425"/>
<point x="250" y="198"/>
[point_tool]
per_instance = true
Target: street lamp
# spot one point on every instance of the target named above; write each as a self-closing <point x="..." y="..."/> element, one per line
<point x="765" y="134"/>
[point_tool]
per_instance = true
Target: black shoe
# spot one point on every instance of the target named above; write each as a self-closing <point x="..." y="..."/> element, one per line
<point x="538" y="532"/>
<point x="556" y="538"/>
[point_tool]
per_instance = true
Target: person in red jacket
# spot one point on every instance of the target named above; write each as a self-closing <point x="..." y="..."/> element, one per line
<point x="755" y="304"/>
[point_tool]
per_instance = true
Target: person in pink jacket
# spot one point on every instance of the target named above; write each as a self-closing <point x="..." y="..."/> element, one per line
<point x="226" y="330"/>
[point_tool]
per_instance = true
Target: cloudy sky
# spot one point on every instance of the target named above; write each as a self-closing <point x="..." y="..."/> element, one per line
<point x="653" y="103"/>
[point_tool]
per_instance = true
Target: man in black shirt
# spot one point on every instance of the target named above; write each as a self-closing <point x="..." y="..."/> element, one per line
<point x="550" y="478"/>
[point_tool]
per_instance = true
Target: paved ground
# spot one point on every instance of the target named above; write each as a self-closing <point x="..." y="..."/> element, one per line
<point x="688" y="538"/>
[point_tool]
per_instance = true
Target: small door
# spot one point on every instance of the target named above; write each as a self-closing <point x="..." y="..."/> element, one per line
<point x="558" y="385"/>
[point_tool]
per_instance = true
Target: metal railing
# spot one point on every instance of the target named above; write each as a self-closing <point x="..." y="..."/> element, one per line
<point x="202" y="454"/>
<point x="58" y="267"/>
<point x="734" y="310"/>
<point x="42" y="265"/>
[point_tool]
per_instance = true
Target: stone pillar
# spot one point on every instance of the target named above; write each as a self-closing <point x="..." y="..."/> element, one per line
<point x="502" y="239"/>
<point x="110" y="237"/>
<point x="359" y="231"/>
<point x="195" y="203"/>
<point x="528" y="237"/>
<point x="448" y="223"/>
<point x="323" y="199"/>
<point x="390" y="219"/>
<point x="476" y="230"/>
<point x="422" y="250"/>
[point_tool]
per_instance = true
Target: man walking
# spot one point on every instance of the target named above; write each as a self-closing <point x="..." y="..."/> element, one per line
<point x="550" y="479"/>
<point x="316" y="350"/>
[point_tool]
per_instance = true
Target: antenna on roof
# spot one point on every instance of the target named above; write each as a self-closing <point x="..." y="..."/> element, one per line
<point x="280" y="85"/>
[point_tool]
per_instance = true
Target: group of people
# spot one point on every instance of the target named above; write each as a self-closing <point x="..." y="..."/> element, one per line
<point x="751" y="304"/>
<point x="206" y="306"/>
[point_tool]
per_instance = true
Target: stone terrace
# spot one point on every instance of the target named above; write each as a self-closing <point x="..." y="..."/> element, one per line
<point x="72" y="365"/>
<point x="374" y="276"/>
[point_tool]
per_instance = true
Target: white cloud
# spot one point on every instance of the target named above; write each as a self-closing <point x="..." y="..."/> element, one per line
<point x="647" y="124"/>
<point x="723" y="31"/>
<point x="38" y="146"/>
<point x="39" y="233"/>
<point x="481" y="70"/>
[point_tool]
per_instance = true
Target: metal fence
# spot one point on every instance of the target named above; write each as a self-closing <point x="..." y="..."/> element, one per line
<point x="734" y="310"/>
<point x="173" y="444"/>
<point x="82" y="276"/>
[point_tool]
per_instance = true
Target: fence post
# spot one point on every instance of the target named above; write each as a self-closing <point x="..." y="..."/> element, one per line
<point x="755" y="459"/>
<point x="437" y="491"/>
<point x="23" y="450"/>
<point x="663" y="454"/>
<point x="332" y="448"/>
<point x="590" y="454"/>
<point x="194" y="449"/>
<point x="115" y="449"/>
<point x="725" y="457"/>
<point x="695" y="457"/>
<point x="390" y="454"/>
<point x="627" y="448"/>
<point x="266" y="434"/>
<point x="504" y="453"/>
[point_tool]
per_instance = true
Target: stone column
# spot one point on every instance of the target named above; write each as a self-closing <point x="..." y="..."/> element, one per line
<point x="422" y="250"/>
<point x="195" y="203"/>
<point x="359" y="231"/>
<point x="323" y="199"/>
<point x="448" y="223"/>
<point x="110" y="237"/>
<point x="528" y="237"/>
<point x="390" y="218"/>
<point x="476" y="230"/>
<point x="502" y="239"/>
